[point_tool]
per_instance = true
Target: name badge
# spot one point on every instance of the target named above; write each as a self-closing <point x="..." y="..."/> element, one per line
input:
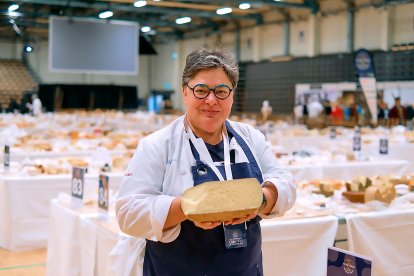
<point x="235" y="236"/>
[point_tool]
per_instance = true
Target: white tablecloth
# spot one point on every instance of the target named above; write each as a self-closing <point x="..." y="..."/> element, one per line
<point x="291" y="143"/>
<point x="395" y="151"/>
<point x="298" y="246"/>
<point x="290" y="247"/>
<point x="349" y="170"/>
<point x="24" y="206"/>
<point x="387" y="238"/>
<point x="20" y="155"/>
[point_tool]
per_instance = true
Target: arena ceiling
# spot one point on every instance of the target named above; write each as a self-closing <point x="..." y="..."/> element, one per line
<point x="31" y="19"/>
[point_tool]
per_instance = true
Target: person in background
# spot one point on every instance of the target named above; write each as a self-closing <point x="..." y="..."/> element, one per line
<point x="35" y="107"/>
<point x="409" y="115"/>
<point x="192" y="150"/>
<point x="315" y="108"/>
<point x="327" y="107"/>
<point x="337" y="114"/>
<point x="361" y="115"/>
<point x="266" y="110"/>
<point x="168" y="107"/>
<point x="397" y="113"/>
<point x="14" y="105"/>
<point x="351" y="112"/>
<point x="382" y="112"/>
<point x="298" y="113"/>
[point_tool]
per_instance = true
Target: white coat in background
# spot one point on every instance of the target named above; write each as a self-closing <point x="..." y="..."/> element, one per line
<point x="37" y="107"/>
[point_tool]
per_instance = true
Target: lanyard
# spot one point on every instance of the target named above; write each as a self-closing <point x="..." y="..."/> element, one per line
<point x="205" y="156"/>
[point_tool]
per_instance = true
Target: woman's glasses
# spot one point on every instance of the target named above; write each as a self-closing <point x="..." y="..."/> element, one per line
<point x="201" y="91"/>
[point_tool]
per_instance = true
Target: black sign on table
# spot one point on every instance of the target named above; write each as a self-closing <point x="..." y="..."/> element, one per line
<point x="356" y="145"/>
<point x="103" y="197"/>
<point x="6" y="157"/>
<point x="383" y="143"/>
<point x="78" y="182"/>
<point x="332" y="133"/>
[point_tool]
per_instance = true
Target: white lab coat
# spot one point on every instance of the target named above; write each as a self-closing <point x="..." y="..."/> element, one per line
<point x="161" y="170"/>
<point x="37" y="107"/>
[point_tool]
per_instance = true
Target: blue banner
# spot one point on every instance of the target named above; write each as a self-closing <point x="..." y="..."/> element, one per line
<point x="364" y="64"/>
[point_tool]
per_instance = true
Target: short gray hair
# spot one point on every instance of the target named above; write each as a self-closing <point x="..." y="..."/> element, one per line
<point x="201" y="59"/>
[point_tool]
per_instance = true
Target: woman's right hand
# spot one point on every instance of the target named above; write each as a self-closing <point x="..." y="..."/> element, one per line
<point x="208" y="224"/>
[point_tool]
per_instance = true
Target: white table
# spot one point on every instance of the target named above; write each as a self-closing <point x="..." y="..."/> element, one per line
<point x="24" y="206"/>
<point x="291" y="143"/>
<point x="395" y="151"/>
<point x="21" y="155"/>
<point x="348" y="170"/>
<point x="103" y="248"/>
<point x="297" y="246"/>
<point x="290" y="247"/>
<point x="387" y="238"/>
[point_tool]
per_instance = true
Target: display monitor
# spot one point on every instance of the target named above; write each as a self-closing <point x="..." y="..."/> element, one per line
<point x="93" y="46"/>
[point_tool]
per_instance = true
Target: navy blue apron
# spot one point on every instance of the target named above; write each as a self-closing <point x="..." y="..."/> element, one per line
<point x="202" y="252"/>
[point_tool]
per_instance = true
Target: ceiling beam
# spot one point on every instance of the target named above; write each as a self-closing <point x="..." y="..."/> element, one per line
<point x="145" y="9"/>
<point x="43" y="18"/>
<point x="308" y="4"/>
<point x="172" y="4"/>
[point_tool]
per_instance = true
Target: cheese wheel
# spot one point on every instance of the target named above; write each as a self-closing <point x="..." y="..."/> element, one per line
<point x="222" y="200"/>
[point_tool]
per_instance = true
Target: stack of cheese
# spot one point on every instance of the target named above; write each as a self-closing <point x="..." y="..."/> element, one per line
<point x="364" y="189"/>
<point x="382" y="189"/>
<point x="222" y="200"/>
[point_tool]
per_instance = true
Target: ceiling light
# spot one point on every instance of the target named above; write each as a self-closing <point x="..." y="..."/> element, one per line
<point x="13" y="14"/>
<point x="183" y="20"/>
<point x="244" y="6"/>
<point x="140" y="3"/>
<point x="145" y="29"/>
<point x="106" y="14"/>
<point x="224" y="11"/>
<point x="13" y="7"/>
<point x="28" y="48"/>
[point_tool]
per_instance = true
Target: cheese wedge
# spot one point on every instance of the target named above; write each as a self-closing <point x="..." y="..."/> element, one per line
<point x="222" y="200"/>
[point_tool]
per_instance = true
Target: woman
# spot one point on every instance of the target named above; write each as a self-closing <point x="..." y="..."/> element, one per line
<point x="198" y="147"/>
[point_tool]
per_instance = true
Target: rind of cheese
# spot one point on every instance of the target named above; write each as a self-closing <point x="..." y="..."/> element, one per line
<point x="222" y="200"/>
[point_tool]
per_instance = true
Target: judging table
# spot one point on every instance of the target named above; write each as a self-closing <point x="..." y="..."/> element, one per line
<point x="104" y="250"/>
<point x="85" y="241"/>
<point x="386" y="237"/>
<point x="24" y="200"/>
<point x="348" y="170"/>
<point x="21" y="155"/>
<point x="397" y="150"/>
<point x="25" y="206"/>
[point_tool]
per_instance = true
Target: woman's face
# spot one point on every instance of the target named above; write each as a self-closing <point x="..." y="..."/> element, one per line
<point x="206" y="116"/>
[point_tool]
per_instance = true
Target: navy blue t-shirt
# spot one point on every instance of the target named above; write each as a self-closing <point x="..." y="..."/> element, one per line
<point x="216" y="151"/>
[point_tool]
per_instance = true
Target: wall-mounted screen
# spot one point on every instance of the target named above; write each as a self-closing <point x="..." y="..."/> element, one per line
<point x="93" y="46"/>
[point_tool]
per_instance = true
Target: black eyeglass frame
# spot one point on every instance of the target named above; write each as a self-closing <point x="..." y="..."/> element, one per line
<point x="210" y="90"/>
